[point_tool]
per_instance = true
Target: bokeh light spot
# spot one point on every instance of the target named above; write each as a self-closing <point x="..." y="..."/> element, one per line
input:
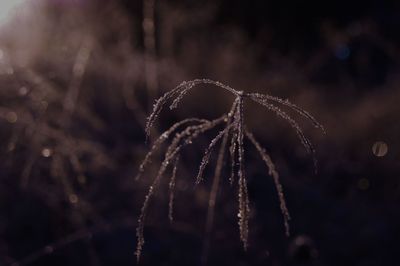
<point x="342" y="52"/>
<point x="46" y="152"/>
<point x="9" y="71"/>
<point x="380" y="149"/>
<point x="73" y="198"/>
<point x="363" y="184"/>
<point x="12" y="117"/>
<point x="23" y="91"/>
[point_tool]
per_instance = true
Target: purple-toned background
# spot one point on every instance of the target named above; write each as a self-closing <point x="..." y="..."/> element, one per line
<point x="75" y="93"/>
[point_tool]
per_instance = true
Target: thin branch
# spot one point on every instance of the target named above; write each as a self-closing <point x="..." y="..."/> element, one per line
<point x="272" y="172"/>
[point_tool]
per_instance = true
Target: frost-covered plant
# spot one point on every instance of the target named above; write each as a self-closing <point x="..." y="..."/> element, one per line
<point x="233" y="133"/>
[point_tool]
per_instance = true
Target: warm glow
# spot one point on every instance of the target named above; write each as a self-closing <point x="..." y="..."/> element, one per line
<point x="8" y="8"/>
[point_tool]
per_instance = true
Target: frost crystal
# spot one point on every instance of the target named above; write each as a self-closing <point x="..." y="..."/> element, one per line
<point x="234" y="131"/>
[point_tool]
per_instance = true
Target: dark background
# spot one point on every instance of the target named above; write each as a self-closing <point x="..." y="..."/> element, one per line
<point x="67" y="189"/>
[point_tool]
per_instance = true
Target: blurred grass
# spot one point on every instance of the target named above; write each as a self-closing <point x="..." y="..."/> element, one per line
<point x="342" y="68"/>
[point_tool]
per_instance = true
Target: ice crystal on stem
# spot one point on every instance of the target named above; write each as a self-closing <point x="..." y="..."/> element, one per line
<point x="234" y="130"/>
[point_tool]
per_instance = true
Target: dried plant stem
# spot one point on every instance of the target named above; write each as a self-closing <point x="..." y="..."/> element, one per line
<point x="294" y="107"/>
<point x="272" y="172"/>
<point x="161" y="139"/>
<point x="172" y="190"/>
<point x="188" y="135"/>
<point x="244" y="208"/>
<point x="207" y="153"/>
<point x="233" y="132"/>
<point x="213" y="197"/>
<point x="304" y="140"/>
<point x="233" y="150"/>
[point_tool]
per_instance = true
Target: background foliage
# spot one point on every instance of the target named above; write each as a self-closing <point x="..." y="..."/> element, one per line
<point x="73" y="105"/>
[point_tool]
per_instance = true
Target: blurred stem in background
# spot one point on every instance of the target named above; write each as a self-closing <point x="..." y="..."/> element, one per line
<point x="149" y="37"/>
<point x="78" y="71"/>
